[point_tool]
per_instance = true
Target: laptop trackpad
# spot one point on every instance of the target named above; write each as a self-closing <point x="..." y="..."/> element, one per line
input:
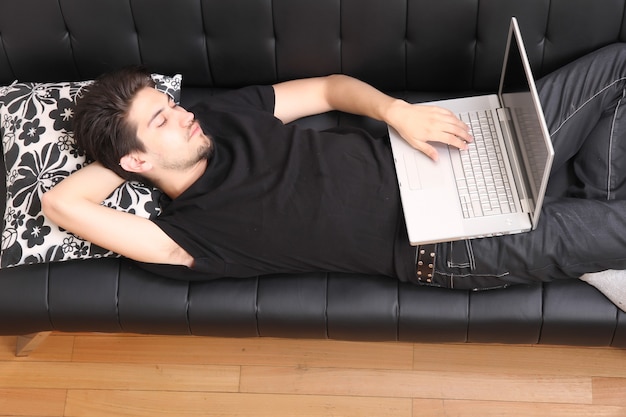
<point x="425" y="174"/>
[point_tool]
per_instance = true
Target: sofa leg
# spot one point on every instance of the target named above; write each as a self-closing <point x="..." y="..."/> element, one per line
<point x="27" y="344"/>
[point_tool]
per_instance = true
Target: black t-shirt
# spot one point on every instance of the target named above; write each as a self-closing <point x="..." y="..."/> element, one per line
<point x="278" y="198"/>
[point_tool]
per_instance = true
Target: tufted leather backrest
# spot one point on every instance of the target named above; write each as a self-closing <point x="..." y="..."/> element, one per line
<point x="215" y="43"/>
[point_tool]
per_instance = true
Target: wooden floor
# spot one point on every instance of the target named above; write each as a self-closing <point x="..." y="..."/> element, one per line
<point x="126" y="375"/>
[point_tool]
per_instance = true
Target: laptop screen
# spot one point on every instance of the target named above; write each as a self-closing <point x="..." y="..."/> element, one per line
<point x="518" y="95"/>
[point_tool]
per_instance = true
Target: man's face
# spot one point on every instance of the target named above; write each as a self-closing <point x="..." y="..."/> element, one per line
<point x="172" y="137"/>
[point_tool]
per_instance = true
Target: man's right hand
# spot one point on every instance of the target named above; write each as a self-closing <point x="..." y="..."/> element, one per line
<point x="419" y="124"/>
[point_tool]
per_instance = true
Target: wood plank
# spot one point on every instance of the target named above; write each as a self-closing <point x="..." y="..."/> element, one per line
<point x="136" y="375"/>
<point x="254" y="351"/>
<point x="416" y="384"/>
<point x="561" y="360"/>
<point x="156" y="377"/>
<point x="32" y="402"/>
<point x="185" y="404"/>
<point x="429" y="408"/>
<point x="453" y="408"/>
<point x="609" y="391"/>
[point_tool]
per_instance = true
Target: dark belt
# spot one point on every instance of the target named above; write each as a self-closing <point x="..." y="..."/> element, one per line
<point x="425" y="263"/>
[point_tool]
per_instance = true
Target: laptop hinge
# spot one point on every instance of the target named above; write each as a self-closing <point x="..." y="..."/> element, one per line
<point x="505" y="118"/>
<point x="527" y="205"/>
<point x="503" y="114"/>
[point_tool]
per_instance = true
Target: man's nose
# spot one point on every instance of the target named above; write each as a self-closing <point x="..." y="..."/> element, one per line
<point x="186" y="118"/>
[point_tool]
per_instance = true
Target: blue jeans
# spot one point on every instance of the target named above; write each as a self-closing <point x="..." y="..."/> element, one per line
<point x="583" y="222"/>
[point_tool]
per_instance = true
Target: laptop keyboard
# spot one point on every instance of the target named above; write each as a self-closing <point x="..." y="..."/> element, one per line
<point x="480" y="172"/>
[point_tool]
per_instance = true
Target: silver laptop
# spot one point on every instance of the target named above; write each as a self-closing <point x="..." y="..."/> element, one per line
<point x="498" y="185"/>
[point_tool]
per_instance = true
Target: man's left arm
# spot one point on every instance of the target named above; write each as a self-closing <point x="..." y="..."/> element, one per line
<point x="417" y="124"/>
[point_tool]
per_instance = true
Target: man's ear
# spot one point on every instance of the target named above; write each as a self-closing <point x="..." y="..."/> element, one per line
<point x="133" y="162"/>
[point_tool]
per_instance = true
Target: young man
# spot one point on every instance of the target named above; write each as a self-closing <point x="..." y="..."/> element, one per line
<point x="251" y="195"/>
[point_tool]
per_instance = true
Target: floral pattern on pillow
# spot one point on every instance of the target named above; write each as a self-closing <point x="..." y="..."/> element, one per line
<point x="39" y="151"/>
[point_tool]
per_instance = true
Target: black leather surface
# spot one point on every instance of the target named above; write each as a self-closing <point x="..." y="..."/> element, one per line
<point x="417" y="49"/>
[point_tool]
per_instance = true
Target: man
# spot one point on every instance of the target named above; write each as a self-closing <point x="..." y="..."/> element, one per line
<point x="252" y="195"/>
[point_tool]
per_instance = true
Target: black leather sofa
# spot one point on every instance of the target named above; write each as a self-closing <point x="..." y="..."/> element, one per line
<point x="417" y="49"/>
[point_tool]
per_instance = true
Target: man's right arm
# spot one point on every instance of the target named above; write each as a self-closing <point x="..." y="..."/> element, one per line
<point x="75" y="205"/>
<point x="417" y="124"/>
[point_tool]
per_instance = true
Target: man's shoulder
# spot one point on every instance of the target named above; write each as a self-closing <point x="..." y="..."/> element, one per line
<point x="257" y="97"/>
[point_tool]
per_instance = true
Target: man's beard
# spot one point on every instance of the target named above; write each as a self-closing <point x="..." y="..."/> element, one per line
<point x="204" y="151"/>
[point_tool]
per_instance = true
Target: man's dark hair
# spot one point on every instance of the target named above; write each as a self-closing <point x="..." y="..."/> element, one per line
<point x="101" y="126"/>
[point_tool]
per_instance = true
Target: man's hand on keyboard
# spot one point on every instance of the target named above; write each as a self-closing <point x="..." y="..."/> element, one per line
<point x="420" y="124"/>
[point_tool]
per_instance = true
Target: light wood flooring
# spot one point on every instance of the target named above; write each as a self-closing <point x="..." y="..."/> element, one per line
<point x="151" y="376"/>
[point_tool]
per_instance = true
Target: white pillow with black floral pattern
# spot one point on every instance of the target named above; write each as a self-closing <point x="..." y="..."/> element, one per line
<point x="39" y="151"/>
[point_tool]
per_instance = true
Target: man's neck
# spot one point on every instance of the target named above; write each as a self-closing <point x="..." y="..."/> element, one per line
<point x="174" y="183"/>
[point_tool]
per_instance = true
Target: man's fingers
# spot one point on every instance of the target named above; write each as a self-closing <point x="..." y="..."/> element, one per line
<point x="427" y="124"/>
<point x="456" y="138"/>
<point x="448" y="128"/>
<point x="428" y="150"/>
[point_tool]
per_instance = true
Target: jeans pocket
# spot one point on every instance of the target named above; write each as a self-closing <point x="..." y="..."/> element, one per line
<point x="458" y="267"/>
